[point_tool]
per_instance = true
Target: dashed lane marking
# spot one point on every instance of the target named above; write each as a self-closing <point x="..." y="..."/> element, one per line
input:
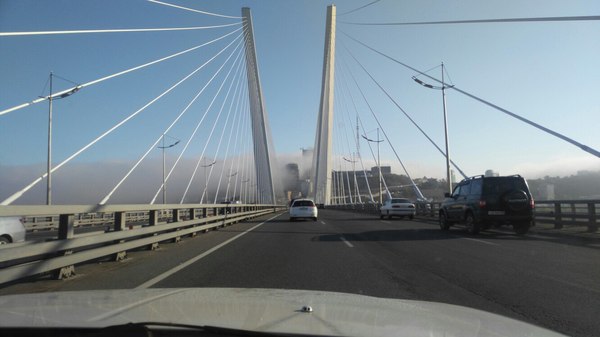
<point x="482" y="241"/>
<point x="346" y="242"/>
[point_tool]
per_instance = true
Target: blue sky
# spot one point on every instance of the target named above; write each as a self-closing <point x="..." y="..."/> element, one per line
<point x="546" y="72"/>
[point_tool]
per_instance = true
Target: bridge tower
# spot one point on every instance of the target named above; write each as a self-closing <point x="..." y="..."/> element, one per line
<point x="321" y="166"/>
<point x="264" y="155"/>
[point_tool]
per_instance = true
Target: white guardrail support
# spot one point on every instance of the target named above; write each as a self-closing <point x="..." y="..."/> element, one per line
<point x="158" y="223"/>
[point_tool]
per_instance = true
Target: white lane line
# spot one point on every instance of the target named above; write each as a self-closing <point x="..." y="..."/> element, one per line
<point x="346" y="242"/>
<point x="168" y="273"/>
<point x="565" y="282"/>
<point x="384" y="221"/>
<point x="482" y="241"/>
<point x="323" y="222"/>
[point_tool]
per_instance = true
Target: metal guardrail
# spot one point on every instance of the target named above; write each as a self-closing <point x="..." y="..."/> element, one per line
<point x="561" y="213"/>
<point x="59" y="256"/>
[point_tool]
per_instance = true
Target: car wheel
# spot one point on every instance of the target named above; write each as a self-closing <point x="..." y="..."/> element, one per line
<point x="444" y="224"/>
<point x="292" y="219"/>
<point x="411" y="217"/>
<point x="4" y="240"/>
<point x="315" y="219"/>
<point x="471" y="224"/>
<point x="381" y="216"/>
<point x="521" y="228"/>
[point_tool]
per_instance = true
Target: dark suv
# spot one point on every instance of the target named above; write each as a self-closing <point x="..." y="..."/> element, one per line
<point x="481" y="202"/>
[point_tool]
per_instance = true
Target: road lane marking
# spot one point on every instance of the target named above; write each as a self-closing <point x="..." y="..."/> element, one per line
<point x="384" y="221"/>
<point x="565" y="282"/>
<point x="323" y="222"/>
<point x="168" y="273"/>
<point x="482" y="241"/>
<point x="346" y="242"/>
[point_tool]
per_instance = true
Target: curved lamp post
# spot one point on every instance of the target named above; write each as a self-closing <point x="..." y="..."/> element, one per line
<point x="442" y="88"/>
<point x="163" y="147"/>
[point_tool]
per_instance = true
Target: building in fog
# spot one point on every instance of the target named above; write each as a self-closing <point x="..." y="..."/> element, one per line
<point x="384" y="170"/>
<point x="291" y="180"/>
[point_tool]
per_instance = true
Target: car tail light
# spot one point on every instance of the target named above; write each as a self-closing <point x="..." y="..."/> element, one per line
<point x="532" y="203"/>
<point x="411" y="206"/>
<point x="22" y="220"/>
<point x="482" y="203"/>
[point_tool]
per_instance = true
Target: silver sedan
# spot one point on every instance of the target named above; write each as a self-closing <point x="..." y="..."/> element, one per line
<point x="397" y="207"/>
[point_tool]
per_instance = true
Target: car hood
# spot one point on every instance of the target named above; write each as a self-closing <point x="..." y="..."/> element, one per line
<point x="264" y="310"/>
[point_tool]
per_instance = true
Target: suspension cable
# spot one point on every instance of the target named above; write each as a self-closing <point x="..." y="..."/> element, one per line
<point x="234" y="129"/>
<point x="417" y="191"/>
<point x="78" y="87"/>
<point x="108" y="196"/>
<point x="198" y="126"/>
<point x="349" y="148"/>
<point x="217" y="118"/>
<point x="359" y="8"/>
<point x="18" y="194"/>
<point x="194" y="10"/>
<point x="504" y="20"/>
<point x="514" y="115"/>
<point x="407" y="116"/>
<point x="132" y="30"/>
<point x="348" y="94"/>
<point x="241" y="123"/>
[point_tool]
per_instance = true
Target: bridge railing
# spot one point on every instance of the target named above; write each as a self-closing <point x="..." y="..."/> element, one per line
<point x="128" y="227"/>
<point x="560" y="213"/>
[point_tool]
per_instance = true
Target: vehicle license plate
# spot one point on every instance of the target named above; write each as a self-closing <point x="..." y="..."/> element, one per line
<point x="496" y="213"/>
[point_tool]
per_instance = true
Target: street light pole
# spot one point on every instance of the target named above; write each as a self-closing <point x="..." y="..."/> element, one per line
<point x="49" y="163"/>
<point x="446" y="133"/>
<point x="164" y="184"/>
<point x="379" y="166"/>
<point x="356" y="190"/>
<point x="206" y="180"/>
<point x="378" y="161"/>
<point x="443" y="89"/>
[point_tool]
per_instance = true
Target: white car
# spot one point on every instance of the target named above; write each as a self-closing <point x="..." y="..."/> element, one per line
<point x="397" y="207"/>
<point x="11" y="230"/>
<point x="303" y="209"/>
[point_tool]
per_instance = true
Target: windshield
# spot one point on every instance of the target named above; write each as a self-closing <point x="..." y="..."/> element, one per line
<point x="263" y="144"/>
<point x="303" y="203"/>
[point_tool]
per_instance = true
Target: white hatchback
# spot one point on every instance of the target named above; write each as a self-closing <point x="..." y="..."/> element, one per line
<point x="303" y="209"/>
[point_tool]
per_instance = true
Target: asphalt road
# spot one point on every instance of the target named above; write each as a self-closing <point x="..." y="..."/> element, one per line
<point x="542" y="278"/>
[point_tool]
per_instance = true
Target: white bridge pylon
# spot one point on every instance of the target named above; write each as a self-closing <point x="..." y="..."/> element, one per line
<point x="322" y="166"/>
<point x="264" y="155"/>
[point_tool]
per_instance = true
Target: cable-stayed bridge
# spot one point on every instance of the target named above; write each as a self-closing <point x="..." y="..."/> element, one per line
<point x="211" y="164"/>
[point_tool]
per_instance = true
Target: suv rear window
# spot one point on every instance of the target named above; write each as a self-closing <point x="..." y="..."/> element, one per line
<point x="400" y="201"/>
<point x="303" y="203"/>
<point x="501" y="185"/>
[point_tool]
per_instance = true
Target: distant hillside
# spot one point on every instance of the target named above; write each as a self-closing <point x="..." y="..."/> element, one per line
<point x="583" y="185"/>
